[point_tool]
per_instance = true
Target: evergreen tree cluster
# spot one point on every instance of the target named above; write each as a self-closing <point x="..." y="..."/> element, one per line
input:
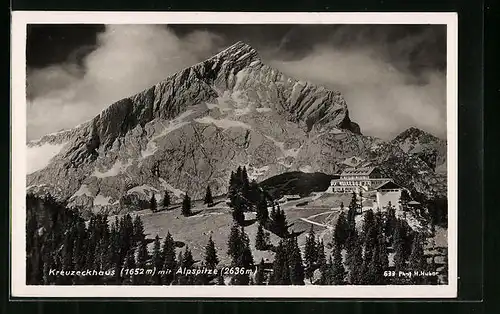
<point x="243" y="195"/>
<point x="288" y="267"/>
<point x="240" y="252"/>
<point x="367" y="250"/>
<point x="277" y="222"/>
<point x="60" y="239"/>
<point x="164" y="205"/>
<point x="248" y="196"/>
<point x="262" y="241"/>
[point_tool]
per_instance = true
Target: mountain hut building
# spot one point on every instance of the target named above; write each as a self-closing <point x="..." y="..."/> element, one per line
<point x="357" y="179"/>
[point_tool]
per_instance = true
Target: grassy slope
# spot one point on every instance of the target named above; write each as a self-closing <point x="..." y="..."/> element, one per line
<point x="217" y="221"/>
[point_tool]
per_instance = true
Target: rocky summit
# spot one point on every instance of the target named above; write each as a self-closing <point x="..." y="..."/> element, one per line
<point x="196" y="126"/>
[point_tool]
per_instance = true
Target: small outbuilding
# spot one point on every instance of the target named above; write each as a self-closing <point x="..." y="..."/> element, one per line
<point x="387" y="192"/>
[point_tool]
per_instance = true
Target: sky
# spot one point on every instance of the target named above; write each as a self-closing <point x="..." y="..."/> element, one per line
<point x="392" y="76"/>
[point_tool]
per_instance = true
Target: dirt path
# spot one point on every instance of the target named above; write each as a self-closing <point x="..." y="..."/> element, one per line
<point x="316" y="223"/>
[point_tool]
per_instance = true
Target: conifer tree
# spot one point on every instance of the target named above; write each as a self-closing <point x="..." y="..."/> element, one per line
<point x="179" y="259"/>
<point x="79" y="246"/>
<point x="106" y="255"/>
<point x="399" y="246"/>
<point x="285" y="275"/>
<point x="368" y="248"/>
<point x="323" y="266"/>
<point x="208" y="200"/>
<point x="31" y="221"/>
<point x="354" y="258"/>
<point x="48" y="264"/>
<point x="67" y="256"/>
<point x="341" y="231"/>
<point x="187" y="262"/>
<point x="169" y="261"/>
<point x="243" y="259"/>
<point x="115" y="251"/>
<point x="166" y="199"/>
<point x="295" y="262"/>
<point x="157" y="259"/>
<point x="90" y="246"/>
<point x="187" y="258"/>
<point x="139" y="235"/>
<point x="237" y="204"/>
<point x="186" y="206"/>
<point x="260" y="277"/>
<point x="310" y="253"/>
<point x="36" y="262"/>
<point x="239" y="177"/>
<point x="126" y="231"/>
<point x="232" y="189"/>
<point x="255" y="194"/>
<point x="246" y="254"/>
<point x="390" y="222"/>
<point x="351" y="213"/>
<point x="404" y="199"/>
<point x="153" y="204"/>
<point x="280" y="224"/>
<point x="273" y="213"/>
<point x="211" y="259"/>
<point x="68" y="251"/>
<point x="142" y="260"/>
<point x="260" y="239"/>
<point x="245" y="182"/>
<point x="142" y="255"/>
<point x="383" y="254"/>
<point x="262" y="212"/>
<point x="417" y="260"/>
<point x="368" y="225"/>
<point x="408" y="235"/>
<point x="129" y="264"/>
<point x="374" y="274"/>
<point x="281" y="271"/>
<point x="338" y="270"/>
<point x="234" y="242"/>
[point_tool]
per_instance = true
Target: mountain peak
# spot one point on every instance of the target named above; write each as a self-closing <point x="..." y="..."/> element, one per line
<point x="415" y="137"/>
<point x="414" y="129"/>
<point x="414" y="132"/>
<point x="238" y="46"/>
<point x="238" y="52"/>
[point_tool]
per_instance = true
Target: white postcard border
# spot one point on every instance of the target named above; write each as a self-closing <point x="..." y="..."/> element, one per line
<point x="20" y="19"/>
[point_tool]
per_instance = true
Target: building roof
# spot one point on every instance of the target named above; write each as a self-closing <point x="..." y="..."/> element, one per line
<point x="364" y="171"/>
<point x="413" y="203"/>
<point x="389" y="184"/>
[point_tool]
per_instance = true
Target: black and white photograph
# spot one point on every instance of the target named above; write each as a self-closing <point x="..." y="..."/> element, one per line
<point x="190" y="155"/>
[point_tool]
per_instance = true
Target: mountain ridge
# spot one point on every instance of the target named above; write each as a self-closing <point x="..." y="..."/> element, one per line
<point x="235" y="55"/>
<point x="196" y="126"/>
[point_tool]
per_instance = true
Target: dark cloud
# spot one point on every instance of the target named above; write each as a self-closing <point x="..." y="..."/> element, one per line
<point x="56" y="43"/>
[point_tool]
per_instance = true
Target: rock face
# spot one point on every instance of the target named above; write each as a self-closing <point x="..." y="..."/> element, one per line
<point x="430" y="149"/>
<point x="192" y="129"/>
